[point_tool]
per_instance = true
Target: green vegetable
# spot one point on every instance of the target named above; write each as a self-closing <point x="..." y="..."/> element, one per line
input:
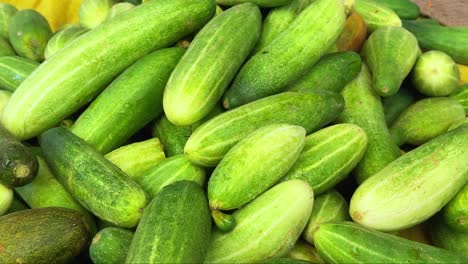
<point x="7" y="11"/>
<point x="6" y="198"/>
<point x="461" y="95"/>
<point x="456" y="212"/>
<point x="5" y="48"/>
<point x="306" y="252"/>
<point x="94" y="12"/>
<point x="110" y="245"/>
<point x="445" y="237"/>
<point x="376" y="14"/>
<point x="14" y="70"/>
<point x="16" y="205"/>
<point x="62" y="38"/>
<point x="4" y="98"/>
<point x="405" y="9"/>
<point x="394" y="105"/>
<point x="260" y="3"/>
<point x="119" y="8"/>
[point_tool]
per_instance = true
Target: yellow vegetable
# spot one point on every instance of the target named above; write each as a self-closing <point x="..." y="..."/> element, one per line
<point x="463" y="73"/>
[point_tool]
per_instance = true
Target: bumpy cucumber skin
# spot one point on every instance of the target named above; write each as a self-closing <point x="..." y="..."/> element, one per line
<point x="290" y="55"/>
<point x="394" y="105"/>
<point x="4" y="98"/>
<point x="267" y="227"/>
<point x="445" y="237"/>
<point x="211" y="62"/>
<point x="411" y="185"/>
<point x="100" y="186"/>
<point x="14" y="70"/>
<point x="6" y="198"/>
<point x="254" y="164"/>
<point x="175" y="227"/>
<point x="212" y="140"/>
<point x="5" y="48"/>
<point x="461" y="95"/>
<point x="376" y="15"/>
<point x="405" y="9"/>
<point x="329" y="155"/>
<point x="456" y="211"/>
<point x="119" y="8"/>
<point x="170" y="170"/>
<point x="364" y="108"/>
<point x="260" y="3"/>
<point x="110" y="245"/>
<point x="94" y="12"/>
<point x="7" y="11"/>
<point x="62" y="38"/>
<point x="86" y="68"/>
<point x="348" y="242"/>
<point x="425" y="120"/>
<point x="119" y="112"/>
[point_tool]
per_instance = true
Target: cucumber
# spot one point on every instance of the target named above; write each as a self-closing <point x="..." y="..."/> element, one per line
<point x="212" y="140"/>
<point x="411" y="184"/>
<point x="390" y="53"/>
<point x="329" y="155"/>
<point x="456" y="211"/>
<point x="62" y="38"/>
<point x="419" y="233"/>
<point x="348" y="242"/>
<point x="376" y="15"/>
<point x="29" y="33"/>
<point x="285" y="261"/>
<point x="6" y="198"/>
<point x="425" y="120"/>
<point x="252" y="166"/>
<point x="4" y="98"/>
<point x="16" y="205"/>
<point x="100" y="186"/>
<point x="405" y="9"/>
<point x="305" y="251"/>
<point x="118" y="113"/>
<point x="290" y="55"/>
<point x="43" y="236"/>
<point x="267" y="227"/>
<point x="94" y="12"/>
<point x="136" y="158"/>
<point x="328" y="207"/>
<point x="110" y="245"/>
<point x="55" y="84"/>
<point x="7" y="11"/>
<point x="169" y="171"/>
<point x="18" y="165"/>
<point x="447" y="238"/>
<point x="177" y="216"/>
<point x="332" y="72"/>
<point x="353" y="35"/>
<point x="5" y="48"/>
<point x="458" y="123"/>
<point x="119" y="8"/>
<point x="260" y="3"/>
<point x="394" y="105"/>
<point x="212" y="60"/>
<point x="364" y="108"/>
<point x="14" y="70"/>
<point x="461" y="95"/>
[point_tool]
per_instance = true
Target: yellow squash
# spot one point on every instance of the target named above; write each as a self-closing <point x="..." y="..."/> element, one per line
<point x="463" y="73"/>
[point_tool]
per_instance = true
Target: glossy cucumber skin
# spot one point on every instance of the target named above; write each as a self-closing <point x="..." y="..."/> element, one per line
<point x="6" y="198"/>
<point x="210" y="64"/>
<point x="329" y="155"/>
<point x="4" y="98"/>
<point x="14" y="70"/>
<point x="364" y="108"/>
<point x="62" y="38"/>
<point x="290" y="55"/>
<point x="405" y="9"/>
<point x="376" y="15"/>
<point x="461" y="95"/>
<point x="100" y="186"/>
<point x="5" y="48"/>
<point x="394" y="105"/>
<point x="445" y="237"/>
<point x="7" y="11"/>
<point x="260" y="3"/>
<point x="177" y="216"/>
<point x="405" y="184"/>
<point x="456" y="212"/>
<point x="62" y="77"/>
<point x="110" y="245"/>
<point x="211" y="141"/>
<point x="348" y="242"/>
<point x="118" y="112"/>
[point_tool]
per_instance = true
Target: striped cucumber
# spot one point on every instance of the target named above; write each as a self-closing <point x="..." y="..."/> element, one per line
<point x="211" y="62"/>
<point x="267" y="227"/>
<point x="59" y="82"/>
<point x="7" y="11"/>
<point x="290" y="55"/>
<point x="119" y="112"/>
<point x="100" y="186"/>
<point x="461" y="95"/>
<point x="119" y="8"/>
<point x="14" y="70"/>
<point x="4" y="98"/>
<point x="94" y="12"/>
<point x="110" y="245"/>
<point x="285" y="261"/>
<point x="329" y="155"/>
<point x="175" y="227"/>
<point x="6" y="198"/>
<point x="260" y="3"/>
<point x="353" y="35"/>
<point x="212" y="140"/>
<point x="394" y="105"/>
<point x="411" y="185"/>
<point x="405" y="9"/>
<point x="456" y="211"/>
<point x="348" y="242"/>
<point x="445" y="237"/>
<point x="62" y="38"/>
<point x="376" y="15"/>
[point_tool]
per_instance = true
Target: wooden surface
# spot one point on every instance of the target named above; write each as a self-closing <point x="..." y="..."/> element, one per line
<point x="448" y="12"/>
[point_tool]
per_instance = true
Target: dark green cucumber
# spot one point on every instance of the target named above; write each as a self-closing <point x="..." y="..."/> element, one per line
<point x="212" y="140"/>
<point x="405" y="9"/>
<point x="175" y="227"/>
<point x="211" y="62"/>
<point x="16" y="205"/>
<point x="5" y="48"/>
<point x="348" y="242"/>
<point x="119" y="8"/>
<point x="332" y="72"/>
<point x="7" y="11"/>
<point x="62" y="38"/>
<point x="461" y="95"/>
<point x="6" y="198"/>
<point x="376" y="15"/>
<point x="100" y="186"/>
<point x="394" y="105"/>
<point x="260" y="3"/>
<point x="4" y="98"/>
<point x="119" y="112"/>
<point x="456" y="211"/>
<point x="51" y="235"/>
<point x="94" y="12"/>
<point x="445" y="237"/>
<point x="14" y="70"/>
<point x="110" y="245"/>
<point x="290" y="55"/>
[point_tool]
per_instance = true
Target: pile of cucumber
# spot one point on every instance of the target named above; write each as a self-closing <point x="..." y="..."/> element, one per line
<point x="233" y="131"/>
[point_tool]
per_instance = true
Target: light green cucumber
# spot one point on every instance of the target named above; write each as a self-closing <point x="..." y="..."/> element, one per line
<point x="62" y="38"/>
<point x="7" y="11"/>
<point x="267" y="227"/>
<point x="348" y="242"/>
<point x="211" y="62"/>
<point x="110" y="245"/>
<point x="458" y="123"/>
<point x="412" y="184"/>
<point x="260" y="3"/>
<point x="119" y="8"/>
<point x="4" y="98"/>
<point x="456" y="211"/>
<point x="405" y="9"/>
<point x="6" y="198"/>
<point x="175" y="227"/>
<point x="94" y="12"/>
<point x="77" y="73"/>
<point x="168" y="171"/>
<point x="394" y="105"/>
<point x="290" y="55"/>
<point x="14" y="70"/>
<point x="376" y="15"/>
<point x="425" y="120"/>
<point x="329" y="155"/>
<point x="461" y="95"/>
<point x="134" y="159"/>
<point x="285" y="261"/>
<point x="364" y="108"/>
<point x="119" y="112"/>
<point x="390" y="53"/>
<point x="445" y="237"/>
<point x="5" y="48"/>
<point x="306" y="252"/>
<point x="212" y="140"/>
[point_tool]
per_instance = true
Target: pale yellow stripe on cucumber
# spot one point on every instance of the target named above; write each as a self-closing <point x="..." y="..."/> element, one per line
<point x="5" y="80"/>
<point x="335" y="247"/>
<point x="326" y="141"/>
<point x="174" y="175"/>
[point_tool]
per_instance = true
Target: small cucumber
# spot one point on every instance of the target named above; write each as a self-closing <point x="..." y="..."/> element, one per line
<point x="394" y="105"/>
<point x="175" y="227"/>
<point x="305" y="251"/>
<point x="268" y="227"/>
<point x="445" y="237"/>
<point x="405" y="9"/>
<point x="376" y="15"/>
<point x="353" y="35"/>
<point x="260" y="3"/>
<point x="7" y="11"/>
<point x="4" y="98"/>
<point x="411" y="185"/>
<point x="456" y="211"/>
<point x="348" y="242"/>
<point x="6" y="198"/>
<point x="14" y="70"/>
<point x="62" y="38"/>
<point x="461" y="95"/>
<point x="94" y="12"/>
<point x="119" y="8"/>
<point x="5" y="48"/>
<point x="110" y="245"/>
<point x="390" y="53"/>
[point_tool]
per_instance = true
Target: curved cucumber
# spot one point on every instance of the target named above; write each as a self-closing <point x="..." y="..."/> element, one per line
<point x="5" y="48"/>
<point x="4" y="98"/>
<point x="119" y="8"/>
<point x="456" y="211"/>
<point x="412" y="184"/>
<point x="94" y="12"/>
<point x="405" y="9"/>
<point x="212" y="60"/>
<point x="6" y="199"/>
<point x="62" y="38"/>
<point x="260" y="3"/>
<point x="445" y="237"/>
<point x="461" y="95"/>
<point x="394" y="105"/>
<point x="110" y="245"/>
<point x="7" y="11"/>
<point x="353" y="35"/>
<point x="376" y="15"/>
<point x="14" y="70"/>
